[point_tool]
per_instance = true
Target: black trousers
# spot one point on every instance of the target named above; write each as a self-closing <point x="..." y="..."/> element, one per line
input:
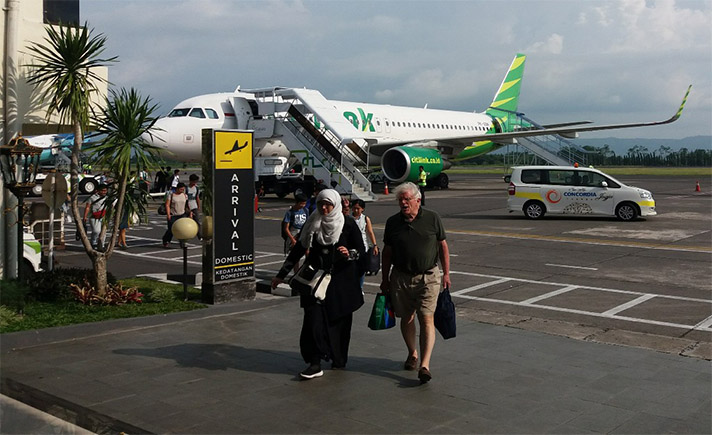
<point x="324" y="339"/>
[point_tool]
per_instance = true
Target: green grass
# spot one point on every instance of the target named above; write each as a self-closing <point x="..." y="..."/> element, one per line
<point x="612" y="170"/>
<point x="38" y="315"/>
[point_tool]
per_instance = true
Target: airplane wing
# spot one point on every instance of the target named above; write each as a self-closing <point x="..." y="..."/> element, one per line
<point x="567" y="130"/>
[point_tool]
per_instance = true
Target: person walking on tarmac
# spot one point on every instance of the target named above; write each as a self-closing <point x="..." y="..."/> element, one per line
<point x="414" y="240"/>
<point x="422" y="182"/>
<point x="96" y="205"/>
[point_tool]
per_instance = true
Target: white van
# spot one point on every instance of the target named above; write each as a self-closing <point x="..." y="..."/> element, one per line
<point x="537" y="190"/>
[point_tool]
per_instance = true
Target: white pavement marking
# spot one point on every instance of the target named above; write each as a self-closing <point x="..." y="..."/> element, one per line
<point x="265" y="254"/>
<point x="478" y="287"/>
<point x="660" y="235"/>
<point x="705" y="325"/>
<point x="637" y="301"/>
<point x="560" y="291"/>
<point x="272" y="262"/>
<point x="571" y="267"/>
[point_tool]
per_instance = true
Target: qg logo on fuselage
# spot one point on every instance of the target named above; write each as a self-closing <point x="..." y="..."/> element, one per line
<point x="362" y="123"/>
<point x="365" y="123"/>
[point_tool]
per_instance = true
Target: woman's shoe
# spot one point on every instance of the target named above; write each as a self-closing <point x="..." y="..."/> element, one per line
<point x="424" y="375"/>
<point x="311" y="372"/>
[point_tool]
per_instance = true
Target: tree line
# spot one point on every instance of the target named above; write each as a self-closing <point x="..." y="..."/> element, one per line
<point x="638" y="155"/>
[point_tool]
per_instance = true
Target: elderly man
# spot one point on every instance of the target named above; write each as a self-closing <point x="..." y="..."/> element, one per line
<point x="414" y="239"/>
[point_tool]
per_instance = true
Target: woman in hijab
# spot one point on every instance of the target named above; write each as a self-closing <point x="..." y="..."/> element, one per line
<point x="330" y="243"/>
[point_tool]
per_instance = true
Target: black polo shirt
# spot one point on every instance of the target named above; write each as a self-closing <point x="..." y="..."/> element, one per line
<point x="414" y="245"/>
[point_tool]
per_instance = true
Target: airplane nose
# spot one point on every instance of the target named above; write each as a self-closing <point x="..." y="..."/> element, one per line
<point x="158" y="137"/>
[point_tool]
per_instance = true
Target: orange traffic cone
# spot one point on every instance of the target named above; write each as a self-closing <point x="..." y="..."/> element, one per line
<point x="697" y="187"/>
<point x="385" y="189"/>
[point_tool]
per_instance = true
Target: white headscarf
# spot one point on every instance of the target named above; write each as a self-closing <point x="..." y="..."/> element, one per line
<point x="327" y="228"/>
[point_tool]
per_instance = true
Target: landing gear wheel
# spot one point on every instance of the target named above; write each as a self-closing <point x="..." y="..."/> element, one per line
<point x="88" y="186"/>
<point x="534" y="210"/>
<point x="37" y="190"/>
<point x="626" y="212"/>
<point x="442" y="181"/>
<point x="280" y="191"/>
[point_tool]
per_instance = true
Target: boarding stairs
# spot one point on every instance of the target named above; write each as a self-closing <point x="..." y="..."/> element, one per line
<point x="329" y="153"/>
<point x="554" y="149"/>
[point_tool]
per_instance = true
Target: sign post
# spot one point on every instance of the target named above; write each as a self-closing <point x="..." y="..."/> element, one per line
<point x="228" y="221"/>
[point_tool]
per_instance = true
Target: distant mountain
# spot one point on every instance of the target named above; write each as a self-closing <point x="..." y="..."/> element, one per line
<point x="621" y="146"/>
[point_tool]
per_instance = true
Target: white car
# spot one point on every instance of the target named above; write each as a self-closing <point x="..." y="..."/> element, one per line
<point x="537" y="190"/>
<point x="32" y="252"/>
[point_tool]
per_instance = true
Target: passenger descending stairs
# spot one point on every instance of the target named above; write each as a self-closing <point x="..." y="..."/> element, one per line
<point x="554" y="149"/>
<point x="331" y="147"/>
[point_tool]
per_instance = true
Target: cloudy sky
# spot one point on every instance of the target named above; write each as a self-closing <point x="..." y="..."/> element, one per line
<point x="606" y="61"/>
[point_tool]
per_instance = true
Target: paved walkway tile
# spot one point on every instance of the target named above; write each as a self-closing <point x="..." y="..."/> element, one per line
<point x="233" y="369"/>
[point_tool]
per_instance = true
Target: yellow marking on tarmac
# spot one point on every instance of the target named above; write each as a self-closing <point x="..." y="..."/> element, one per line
<point x="623" y="243"/>
<point x="563" y="239"/>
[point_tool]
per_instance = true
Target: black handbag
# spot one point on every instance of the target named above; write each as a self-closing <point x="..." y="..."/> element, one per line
<point x="373" y="264"/>
<point x="445" y="315"/>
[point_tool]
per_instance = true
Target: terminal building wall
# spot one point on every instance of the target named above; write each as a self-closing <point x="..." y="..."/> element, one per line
<point x="21" y="106"/>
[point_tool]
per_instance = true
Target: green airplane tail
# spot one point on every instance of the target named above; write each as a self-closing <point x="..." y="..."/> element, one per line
<point x="506" y="99"/>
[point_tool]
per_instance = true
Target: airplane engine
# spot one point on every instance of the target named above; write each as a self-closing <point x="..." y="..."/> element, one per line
<point x="401" y="164"/>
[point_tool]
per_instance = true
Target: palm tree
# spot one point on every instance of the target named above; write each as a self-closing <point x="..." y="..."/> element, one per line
<point x="123" y="120"/>
<point x="64" y="68"/>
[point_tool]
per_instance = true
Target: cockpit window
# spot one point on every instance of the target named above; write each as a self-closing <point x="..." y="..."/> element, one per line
<point x="197" y="113"/>
<point x="211" y="113"/>
<point x="176" y="113"/>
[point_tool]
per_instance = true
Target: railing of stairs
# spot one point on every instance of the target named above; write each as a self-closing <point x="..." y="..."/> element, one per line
<point x="324" y="143"/>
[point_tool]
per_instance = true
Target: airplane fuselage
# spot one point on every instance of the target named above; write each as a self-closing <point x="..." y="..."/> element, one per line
<point x="180" y="132"/>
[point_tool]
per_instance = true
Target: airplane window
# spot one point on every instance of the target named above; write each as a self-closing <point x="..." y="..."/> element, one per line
<point x="409" y="124"/>
<point x="176" y="113"/>
<point x="387" y="123"/>
<point x="197" y="113"/>
<point x="212" y="114"/>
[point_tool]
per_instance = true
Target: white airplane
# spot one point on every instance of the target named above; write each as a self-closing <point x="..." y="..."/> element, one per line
<point x="404" y="138"/>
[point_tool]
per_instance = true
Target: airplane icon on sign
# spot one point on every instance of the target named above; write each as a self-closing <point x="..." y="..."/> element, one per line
<point x="236" y="147"/>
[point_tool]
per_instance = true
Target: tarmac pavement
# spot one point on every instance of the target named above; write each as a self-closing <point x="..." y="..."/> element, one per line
<point x="234" y="368"/>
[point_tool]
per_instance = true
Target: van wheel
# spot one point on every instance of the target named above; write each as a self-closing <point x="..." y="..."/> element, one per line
<point x="534" y="209"/>
<point x="626" y="211"/>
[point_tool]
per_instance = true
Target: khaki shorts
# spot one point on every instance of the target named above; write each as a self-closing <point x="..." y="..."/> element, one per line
<point x="415" y="293"/>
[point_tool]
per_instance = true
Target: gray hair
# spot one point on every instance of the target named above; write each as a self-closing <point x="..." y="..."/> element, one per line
<point x="408" y="188"/>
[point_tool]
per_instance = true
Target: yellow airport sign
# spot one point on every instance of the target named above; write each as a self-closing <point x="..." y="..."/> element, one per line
<point x="233" y="150"/>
